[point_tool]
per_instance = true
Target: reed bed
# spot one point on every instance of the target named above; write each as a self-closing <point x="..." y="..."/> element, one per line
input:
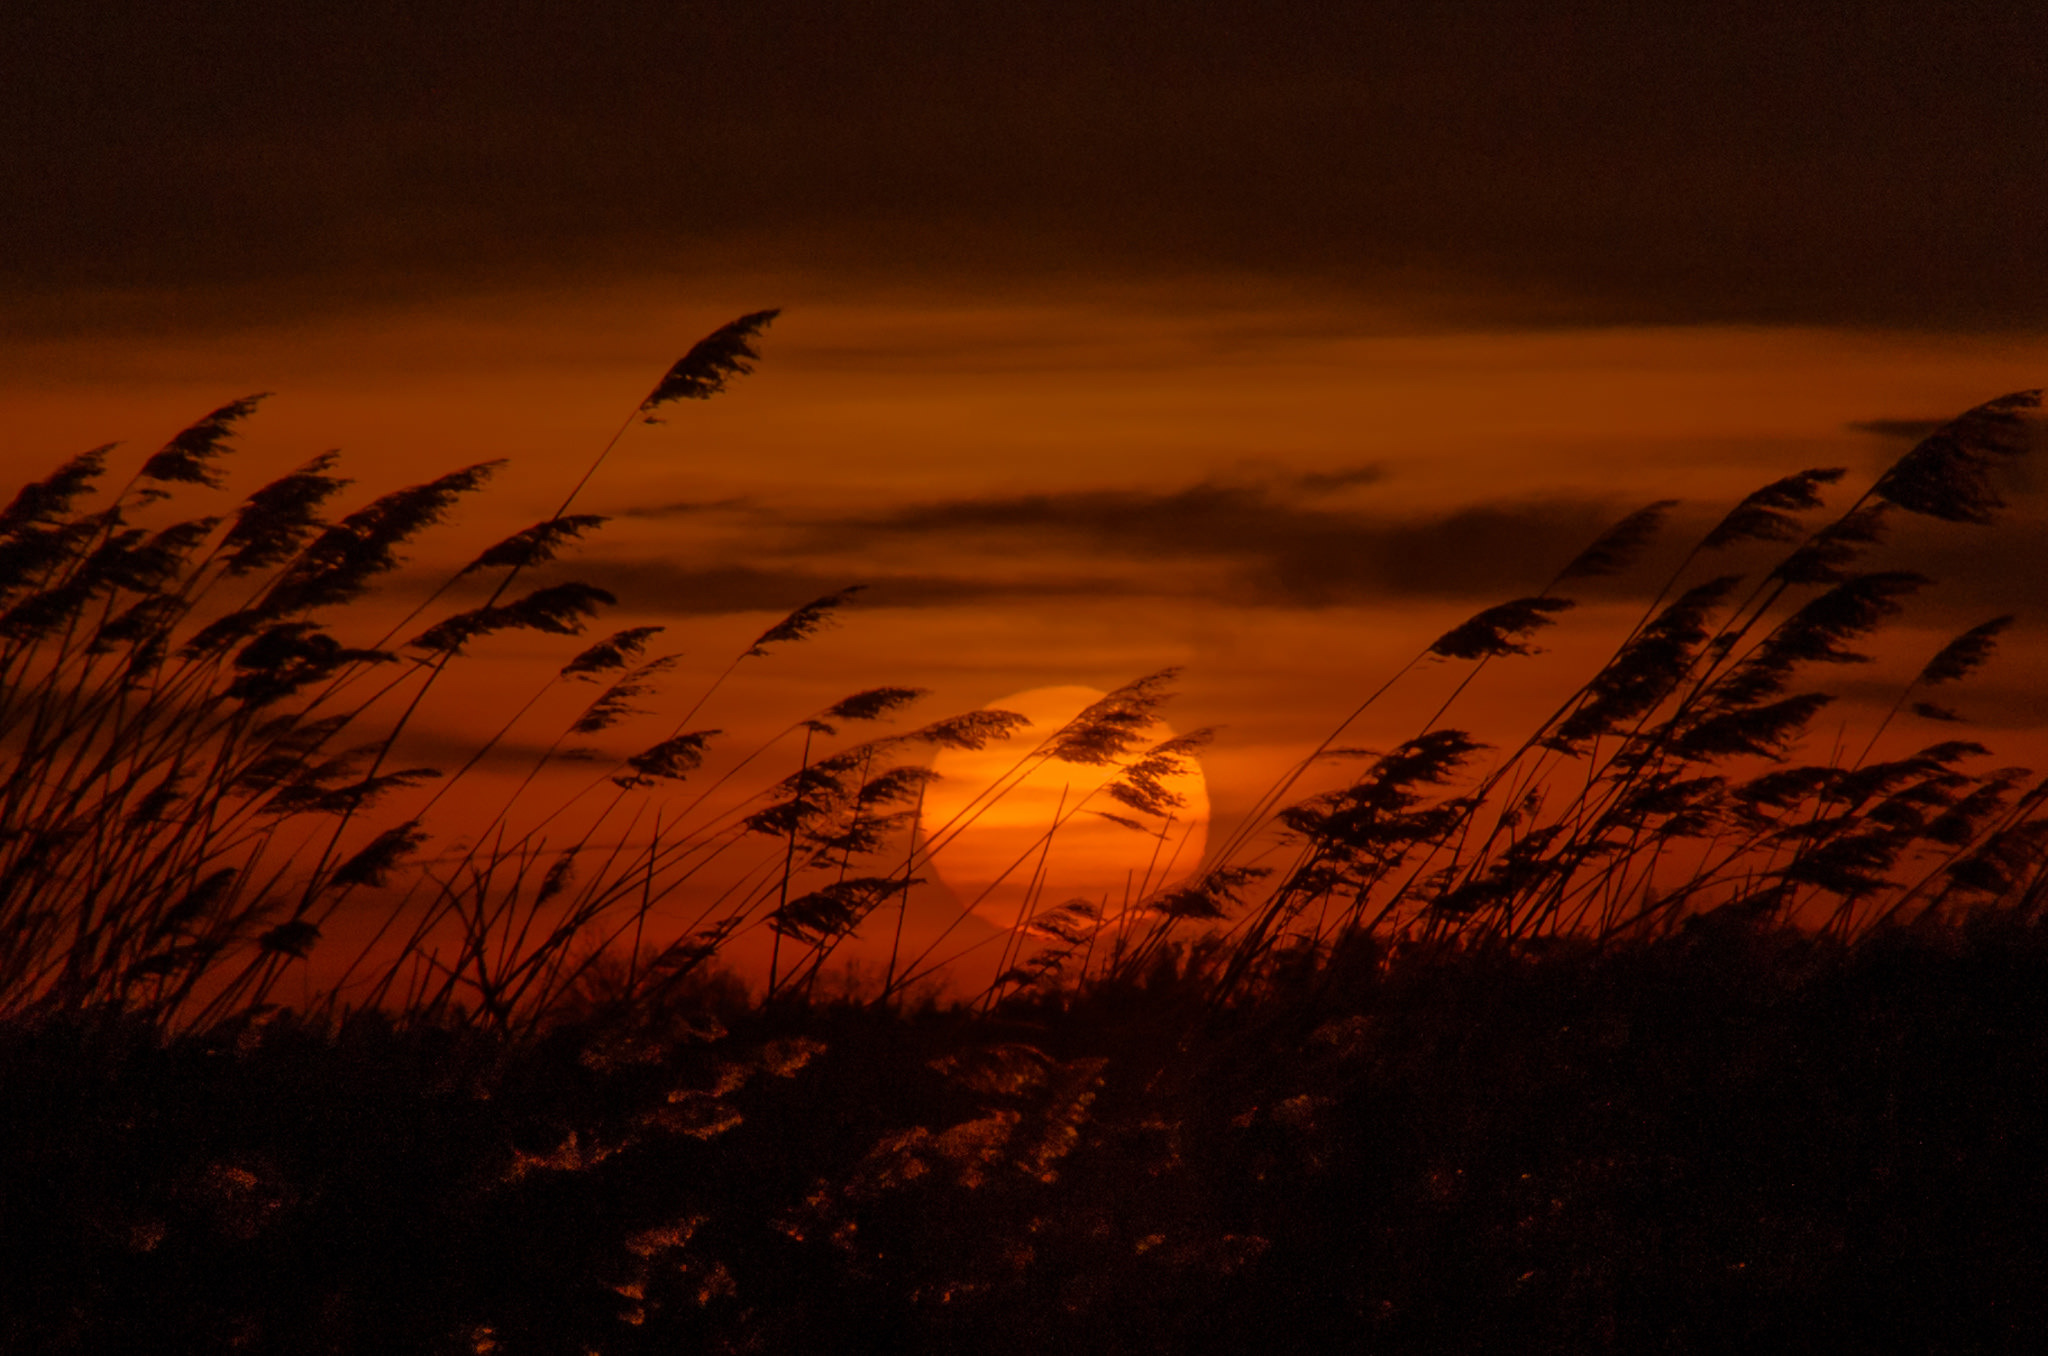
<point x="1411" y="1055"/>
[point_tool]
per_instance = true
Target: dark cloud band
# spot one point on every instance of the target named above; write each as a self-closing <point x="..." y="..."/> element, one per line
<point x="1279" y="541"/>
<point x="1872" y="164"/>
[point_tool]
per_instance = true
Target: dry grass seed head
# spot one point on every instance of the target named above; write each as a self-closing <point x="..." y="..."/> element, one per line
<point x="535" y="545"/>
<point x="1648" y="668"/>
<point x="803" y="623"/>
<point x="1112" y="726"/>
<point x="189" y="457"/>
<point x="558" y="609"/>
<point x="275" y="521"/>
<point x="1766" y="515"/>
<point x="373" y="865"/>
<point x="614" y="652"/>
<point x="615" y="703"/>
<point x="1213" y="896"/>
<point x="1948" y="474"/>
<point x="1965" y="654"/>
<point x="1499" y="630"/>
<point x="726" y="352"/>
<point x="874" y="703"/>
<point x="971" y="731"/>
<point x="1141" y="785"/>
<point x="1619" y="546"/>
<point x="1827" y="556"/>
<point x="670" y="760"/>
<point x="47" y="501"/>
<point x="834" y="910"/>
<point x="1764" y="731"/>
<point x="339" y="563"/>
<point x="1817" y="634"/>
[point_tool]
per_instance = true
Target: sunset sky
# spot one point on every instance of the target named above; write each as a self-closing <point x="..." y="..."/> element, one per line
<point x="1264" y="340"/>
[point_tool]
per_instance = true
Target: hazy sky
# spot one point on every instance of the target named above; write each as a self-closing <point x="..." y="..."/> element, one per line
<point x="1264" y="339"/>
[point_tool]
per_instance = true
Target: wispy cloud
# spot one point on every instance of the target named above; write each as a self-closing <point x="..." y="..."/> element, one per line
<point x="2016" y="476"/>
<point x="1281" y="539"/>
<point x="669" y="588"/>
<point x="1276" y="546"/>
<point x="683" y="508"/>
<point x="1285" y="539"/>
<point x="1901" y="430"/>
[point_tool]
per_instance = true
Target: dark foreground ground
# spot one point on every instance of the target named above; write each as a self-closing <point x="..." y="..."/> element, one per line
<point x="1725" y="1142"/>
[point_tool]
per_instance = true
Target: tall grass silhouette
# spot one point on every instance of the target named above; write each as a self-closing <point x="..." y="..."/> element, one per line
<point x="1648" y="1030"/>
<point x="195" y="764"/>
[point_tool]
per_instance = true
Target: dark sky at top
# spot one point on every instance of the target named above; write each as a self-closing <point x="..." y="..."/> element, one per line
<point x="1881" y="163"/>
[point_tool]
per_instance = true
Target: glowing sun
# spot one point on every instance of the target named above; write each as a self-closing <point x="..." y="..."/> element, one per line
<point x="1004" y="856"/>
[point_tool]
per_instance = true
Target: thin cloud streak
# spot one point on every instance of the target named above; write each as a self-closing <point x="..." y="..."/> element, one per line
<point x="1901" y="430"/>
<point x="683" y="508"/>
<point x="1265" y="543"/>
<point x="1278" y="551"/>
<point x="1244" y="544"/>
<point x="656" y="586"/>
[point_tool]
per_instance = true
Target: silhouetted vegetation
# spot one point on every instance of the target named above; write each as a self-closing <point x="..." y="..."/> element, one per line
<point x="1732" y="1135"/>
<point x="1654" y="1035"/>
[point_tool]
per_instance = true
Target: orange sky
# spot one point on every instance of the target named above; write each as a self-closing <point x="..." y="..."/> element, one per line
<point x="1068" y="489"/>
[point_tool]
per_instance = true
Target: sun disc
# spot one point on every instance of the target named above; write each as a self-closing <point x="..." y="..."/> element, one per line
<point x="1048" y="837"/>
